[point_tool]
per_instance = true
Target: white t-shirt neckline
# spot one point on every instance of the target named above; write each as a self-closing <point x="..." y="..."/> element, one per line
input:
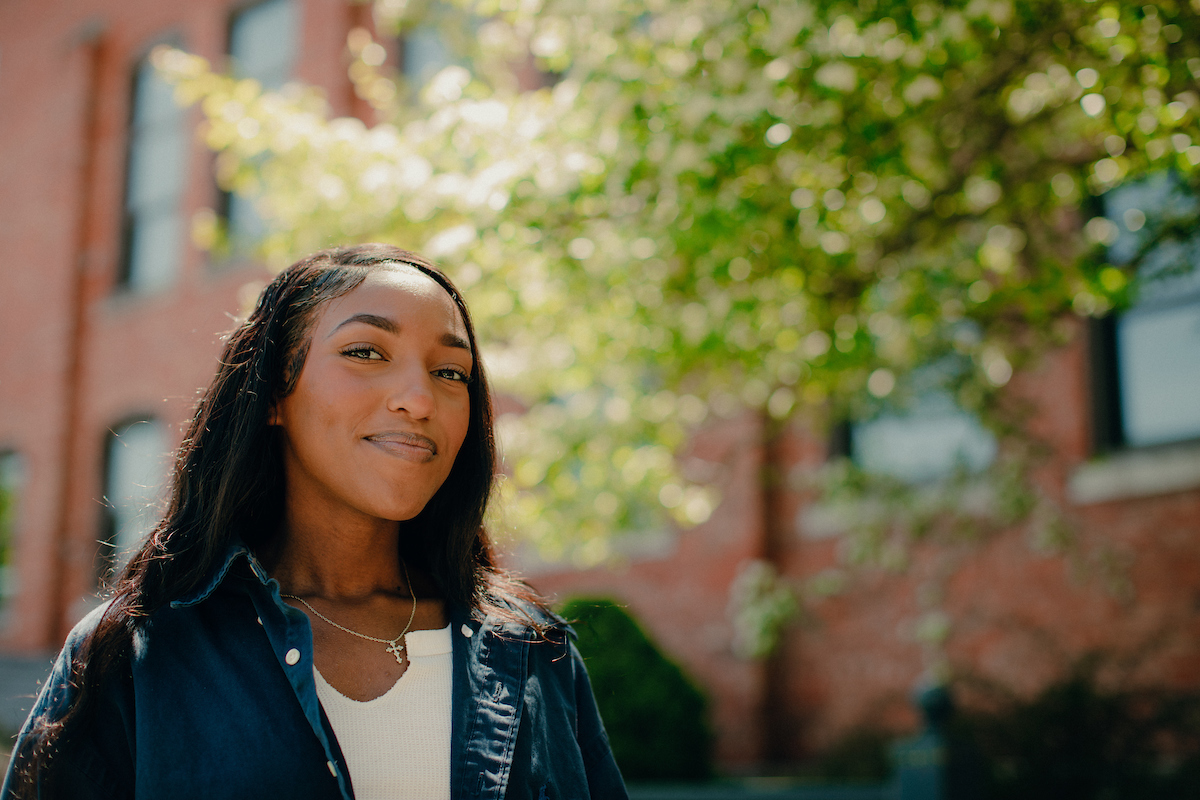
<point x="397" y="745"/>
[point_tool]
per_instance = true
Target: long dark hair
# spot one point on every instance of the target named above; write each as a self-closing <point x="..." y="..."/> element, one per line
<point x="228" y="484"/>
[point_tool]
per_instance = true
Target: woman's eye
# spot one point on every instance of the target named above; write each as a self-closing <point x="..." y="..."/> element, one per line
<point x="363" y="353"/>
<point x="452" y="374"/>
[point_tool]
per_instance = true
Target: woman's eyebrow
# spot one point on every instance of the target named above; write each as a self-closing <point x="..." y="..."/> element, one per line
<point x="374" y="320"/>
<point x="454" y="340"/>
<point x="389" y="325"/>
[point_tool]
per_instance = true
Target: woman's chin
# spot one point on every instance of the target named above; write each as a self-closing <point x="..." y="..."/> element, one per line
<point x="403" y="513"/>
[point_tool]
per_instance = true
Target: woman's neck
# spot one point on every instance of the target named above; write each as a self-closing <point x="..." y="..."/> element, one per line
<point x="336" y="559"/>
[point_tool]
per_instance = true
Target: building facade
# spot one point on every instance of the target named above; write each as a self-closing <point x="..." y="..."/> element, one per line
<point x="1112" y="580"/>
<point x="102" y="176"/>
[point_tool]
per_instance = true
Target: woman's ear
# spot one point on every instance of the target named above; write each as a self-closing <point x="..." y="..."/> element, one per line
<point x="273" y="414"/>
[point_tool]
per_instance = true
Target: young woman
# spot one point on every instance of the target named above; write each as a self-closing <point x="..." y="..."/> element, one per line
<point x="318" y="615"/>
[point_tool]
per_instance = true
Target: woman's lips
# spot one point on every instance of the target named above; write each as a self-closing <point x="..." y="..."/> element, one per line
<point x="409" y="446"/>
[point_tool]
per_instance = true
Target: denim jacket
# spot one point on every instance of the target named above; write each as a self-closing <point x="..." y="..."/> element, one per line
<point x="219" y="700"/>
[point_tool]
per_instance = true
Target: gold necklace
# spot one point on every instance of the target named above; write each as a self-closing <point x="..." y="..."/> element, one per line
<point x="394" y="646"/>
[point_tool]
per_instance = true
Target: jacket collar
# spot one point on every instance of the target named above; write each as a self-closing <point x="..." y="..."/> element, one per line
<point x="234" y="553"/>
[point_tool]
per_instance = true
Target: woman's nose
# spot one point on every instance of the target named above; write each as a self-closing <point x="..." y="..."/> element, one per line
<point x="412" y="391"/>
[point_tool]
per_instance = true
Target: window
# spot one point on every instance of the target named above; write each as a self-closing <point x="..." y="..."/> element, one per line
<point x="440" y="35"/>
<point x="443" y="38"/>
<point x="154" y="183"/>
<point x="424" y="53"/>
<point x="923" y="437"/>
<point x="12" y="480"/>
<point x="137" y="459"/>
<point x="262" y="42"/>
<point x="262" y="46"/>
<point x="1148" y="357"/>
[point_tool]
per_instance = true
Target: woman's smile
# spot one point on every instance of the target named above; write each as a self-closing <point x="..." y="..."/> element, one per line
<point x="409" y="446"/>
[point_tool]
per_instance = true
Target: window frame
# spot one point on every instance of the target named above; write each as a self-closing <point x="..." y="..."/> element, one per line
<point x="1109" y="434"/>
<point x="125" y="279"/>
<point x="11" y="516"/>
<point x="239" y="242"/>
<point x="109" y="555"/>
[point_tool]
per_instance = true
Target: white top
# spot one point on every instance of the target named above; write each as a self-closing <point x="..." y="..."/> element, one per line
<point x="397" y="746"/>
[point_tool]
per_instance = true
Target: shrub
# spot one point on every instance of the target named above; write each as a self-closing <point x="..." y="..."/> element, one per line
<point x="1075" y="740"/>
<point x="655" y="716"/>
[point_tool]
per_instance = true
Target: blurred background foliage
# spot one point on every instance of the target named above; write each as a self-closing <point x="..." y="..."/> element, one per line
<point x="1081" y="738"/>
<point x="654" y="714"/>
<point x="719" y="205"/>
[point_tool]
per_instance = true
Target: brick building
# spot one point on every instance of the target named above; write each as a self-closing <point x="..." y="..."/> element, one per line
<point x="100" y="176"/>
<point x="110" y="320"/>
<point x="1127" y="591"/>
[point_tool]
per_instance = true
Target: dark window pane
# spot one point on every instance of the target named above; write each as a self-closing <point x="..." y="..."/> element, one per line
<point x="1159" y="354"/>
<point x="12" y="481"/>
<point x="155" y="177"/>
<point x="138" y="460"/>
<point x="262" y="42"/>
<point x="154" y="243"/>
<point x="1157" y="341"/>
<point x="262" y="45"/>
<point x="155" y="164"/>
<point x="246" y="225"/>
<point x="929" y="440"/>
<point x="919" y="433"/>
<point x="153" y="98"/>
<point x="425" y="54"/>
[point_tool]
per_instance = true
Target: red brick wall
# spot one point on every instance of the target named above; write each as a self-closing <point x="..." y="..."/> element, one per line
<point x="681" y="597"/>
<point x="65" y="83"/>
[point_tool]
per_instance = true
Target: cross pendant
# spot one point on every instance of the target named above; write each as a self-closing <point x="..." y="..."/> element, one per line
<point x="396" y="648"/>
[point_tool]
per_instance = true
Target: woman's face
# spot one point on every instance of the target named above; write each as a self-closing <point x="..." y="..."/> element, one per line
<point x="381" y="407"/>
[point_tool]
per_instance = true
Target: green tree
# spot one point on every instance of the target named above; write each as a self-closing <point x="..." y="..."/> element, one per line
<point x="727" y="204"/>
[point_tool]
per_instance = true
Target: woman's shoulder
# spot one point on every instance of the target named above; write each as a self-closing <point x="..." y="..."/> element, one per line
<point x="519" y="616"/>
<point x="82" y="630"/>
<point x="532" y="611"/>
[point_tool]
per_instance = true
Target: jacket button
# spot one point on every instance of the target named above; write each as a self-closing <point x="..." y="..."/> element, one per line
<point x="293" y="657"/>
<point x="466" y="631"/>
